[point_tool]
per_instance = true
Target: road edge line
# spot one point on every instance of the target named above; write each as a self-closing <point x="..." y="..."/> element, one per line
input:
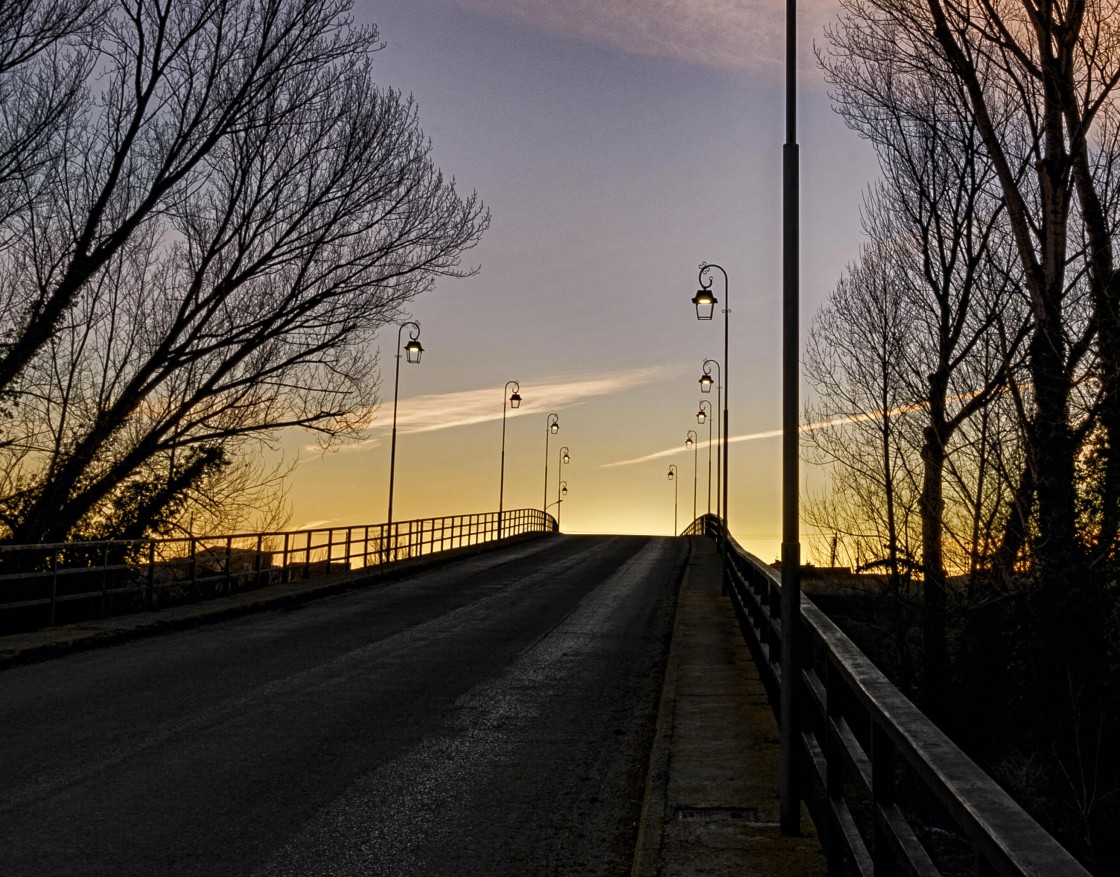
<point x="651" y="822"/>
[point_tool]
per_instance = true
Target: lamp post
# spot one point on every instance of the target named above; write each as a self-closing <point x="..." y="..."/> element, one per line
<point x="701" y="416"/>
<point x="514" y="401"/>
<point x="673" y="478"/>
<point x="552" y="428"/>
<point x="790" y="816"/>
<point x="413" y="351"/>
<point x="560" y="485"/>
<point x="690" y="441"/>
<point x="706" y="387"/>
<point x="560" y="494"/>
<point x="705" y="302"/>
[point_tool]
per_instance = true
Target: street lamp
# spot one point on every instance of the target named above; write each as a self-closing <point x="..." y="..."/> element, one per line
<point x="691" y="442"/>
<point x="552" y="428"/>
<point x="705" y="302"/>
<point x="673" y="478"/>
<point x="790" y="723"/>
<point x="514" y="401"/>
<point x="701" y="416"/>
<point x="412" y="350"/>
<point x="561" y="460"/>
<point x="560" y="494"/>
<point x="706" y="387"/>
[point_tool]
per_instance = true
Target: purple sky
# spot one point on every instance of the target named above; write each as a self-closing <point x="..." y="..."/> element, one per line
<point x="618" y="143"/>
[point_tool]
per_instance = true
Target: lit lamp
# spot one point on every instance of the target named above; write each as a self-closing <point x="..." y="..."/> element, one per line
<point x="701" y="416"/>
<point x="514" y="401"/>
<point x="705" y="303"/>
<point x="706" y="387"/>
<point x="553" y="428"/>
<point x="673" y="478"/>
<point x="561" y="486"/>
<point x="691" y="443"/>
<point x="412" y="351"/>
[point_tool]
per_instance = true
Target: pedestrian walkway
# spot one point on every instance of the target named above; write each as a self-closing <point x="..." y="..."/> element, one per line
<point x="712" y="802"/>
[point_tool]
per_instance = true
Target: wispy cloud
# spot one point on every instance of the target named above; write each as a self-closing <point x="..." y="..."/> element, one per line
<point x="468" y="407"/>
<point x="450" y="410"/>
<point x="742" y="35"/>
<point x="775" y="433"/>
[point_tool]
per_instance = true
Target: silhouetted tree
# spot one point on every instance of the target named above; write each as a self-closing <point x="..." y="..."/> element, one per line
<point x="958" y="290"/>
<point x="236" y="211"/>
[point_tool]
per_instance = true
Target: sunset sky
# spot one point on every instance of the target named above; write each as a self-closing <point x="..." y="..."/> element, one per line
<point x="617" y="143"/>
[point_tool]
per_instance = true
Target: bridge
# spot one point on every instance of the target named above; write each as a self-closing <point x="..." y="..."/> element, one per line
<point x="458" y="696"/>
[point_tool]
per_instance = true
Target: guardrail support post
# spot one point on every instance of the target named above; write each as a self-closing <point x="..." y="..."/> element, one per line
<point x="284" y="573"/>
<point x="882" y="795"/>
<point x="151" y="573"/>
<point x="54" y="584"/>
<point x="834" y="767"/>
<point x="229" y="564"/>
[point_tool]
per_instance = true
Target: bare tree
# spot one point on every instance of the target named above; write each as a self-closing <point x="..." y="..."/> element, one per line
<point x="854" y="360"/>
<point x="243" y="297"/>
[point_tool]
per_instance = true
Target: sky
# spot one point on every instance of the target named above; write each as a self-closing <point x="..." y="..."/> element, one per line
<point x="618" y="144"/>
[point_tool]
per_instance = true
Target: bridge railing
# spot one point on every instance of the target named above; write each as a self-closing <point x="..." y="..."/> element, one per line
<point x="51" y="583"/>
<point x="889" y="792"/>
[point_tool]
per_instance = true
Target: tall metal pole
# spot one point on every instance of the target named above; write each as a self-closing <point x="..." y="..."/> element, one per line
<point x="694" y="439"/>
<point x="706" y="283"/>
<point x="560" y="460"/>
<point x="553" y="421"/>
<point x="711" y="420"/>
<point x="719" y="397"/>
<point x="791" y="547"/>
<point x="393" y="443"/>
<point x="673" y="478"/>
<point x="502" y="481"/>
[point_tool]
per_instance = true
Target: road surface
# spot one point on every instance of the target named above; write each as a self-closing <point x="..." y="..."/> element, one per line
<point x="491" y="717"/>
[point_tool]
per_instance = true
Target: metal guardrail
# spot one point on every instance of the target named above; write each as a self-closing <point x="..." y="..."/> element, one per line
<point x="50" y="583"/>
<point x="888" y="790"/>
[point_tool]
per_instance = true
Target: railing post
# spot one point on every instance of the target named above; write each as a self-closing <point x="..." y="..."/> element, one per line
<point x="151" y="573"/>
<point x="882" y="796"/>
<point x="834" y="768"/>
<point x="307" y="558"/>
<point x="346" y="559"/>
<point x="54" y="584"/>
<point x="104" y="581"/>
<point x="285" y="574"/>
<point x="229" y="564"/>
<point x="192" y="564"/>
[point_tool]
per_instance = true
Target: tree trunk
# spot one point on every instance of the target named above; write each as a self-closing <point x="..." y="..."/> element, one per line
<point x="935" y="654"/>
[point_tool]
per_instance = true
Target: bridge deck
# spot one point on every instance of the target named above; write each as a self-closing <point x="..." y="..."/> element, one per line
<point x="711" y="801"/>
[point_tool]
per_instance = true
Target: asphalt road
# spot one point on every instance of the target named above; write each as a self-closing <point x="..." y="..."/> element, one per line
<point x="490" y="717"/>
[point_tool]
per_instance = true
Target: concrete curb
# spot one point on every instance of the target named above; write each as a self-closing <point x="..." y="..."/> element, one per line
<point x="711" y="801"/>
<point x="53" y="642"/>
<point x="651" y="824"/>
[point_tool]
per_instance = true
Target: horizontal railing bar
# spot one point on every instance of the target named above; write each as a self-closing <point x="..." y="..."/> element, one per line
<point x="903" y="837"/>
<point x="1007" y="838"/>
<point x="220" y="563"/>
<point x="853" y="839"/>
